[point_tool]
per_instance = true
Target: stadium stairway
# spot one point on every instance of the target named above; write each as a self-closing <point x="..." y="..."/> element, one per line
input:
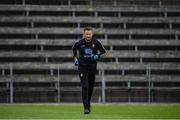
<point x="142" y="63"/>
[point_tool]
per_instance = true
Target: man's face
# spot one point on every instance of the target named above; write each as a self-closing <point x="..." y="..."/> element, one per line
<point x="88" y="35"/>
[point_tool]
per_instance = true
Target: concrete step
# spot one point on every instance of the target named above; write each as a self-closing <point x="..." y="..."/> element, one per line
<point x="107" y="66"/>
<point x="70" y="42"/>
<point x="88" y="8"/>
<point x="73" y="80"/>
<point x="109" y="54"/>
<point x="86" y="19"/>
<point x="79" y="31"/>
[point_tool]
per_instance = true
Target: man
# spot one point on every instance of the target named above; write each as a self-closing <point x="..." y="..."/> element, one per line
<point x="86" y="52"/>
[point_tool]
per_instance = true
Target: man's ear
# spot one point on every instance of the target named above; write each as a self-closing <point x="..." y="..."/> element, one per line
<point x="83" y="36"/>
<point x="92" y="34"/>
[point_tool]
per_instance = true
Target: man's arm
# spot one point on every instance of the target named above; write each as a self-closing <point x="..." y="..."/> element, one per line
<point x="75" y="48"/>
<point x="101" y="49"/>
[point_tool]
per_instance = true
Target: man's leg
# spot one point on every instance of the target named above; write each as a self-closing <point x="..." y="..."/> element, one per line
<point x="91" y="80"/>
<point x="91" y="86"/>
<point x="83" y="74"/>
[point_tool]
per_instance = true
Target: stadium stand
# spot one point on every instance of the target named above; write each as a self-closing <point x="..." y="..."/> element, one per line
<point x="141" y="37"/>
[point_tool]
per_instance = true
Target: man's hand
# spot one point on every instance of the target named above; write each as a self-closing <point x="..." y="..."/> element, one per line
<point x="94" y="57"/>
<point x="76" y="62"/>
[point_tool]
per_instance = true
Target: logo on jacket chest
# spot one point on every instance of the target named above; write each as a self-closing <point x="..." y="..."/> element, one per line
<point x="88" y="51"/>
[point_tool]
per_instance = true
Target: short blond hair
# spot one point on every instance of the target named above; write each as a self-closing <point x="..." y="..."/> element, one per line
<point x="88" y="28"/>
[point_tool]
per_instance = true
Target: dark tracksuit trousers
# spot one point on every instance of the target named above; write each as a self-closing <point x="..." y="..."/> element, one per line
<point x="87" y="77"/>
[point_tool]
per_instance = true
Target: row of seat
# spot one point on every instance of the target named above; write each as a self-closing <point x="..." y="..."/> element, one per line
<point x="121" y="14"/>
<point x="142" y="25"/>
<point x="67" y="43"/>
<point x="94" y="2"/>
<point x="73" y="78"/>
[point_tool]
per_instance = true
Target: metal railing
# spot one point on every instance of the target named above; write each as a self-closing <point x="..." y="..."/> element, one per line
<point x="103" y="86"/>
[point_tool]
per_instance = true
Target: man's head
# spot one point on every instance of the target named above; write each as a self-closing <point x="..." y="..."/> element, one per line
<point x="88" y="33"/>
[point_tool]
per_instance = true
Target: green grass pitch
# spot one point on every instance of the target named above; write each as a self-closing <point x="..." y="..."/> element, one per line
<point x="99" y="111"/>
